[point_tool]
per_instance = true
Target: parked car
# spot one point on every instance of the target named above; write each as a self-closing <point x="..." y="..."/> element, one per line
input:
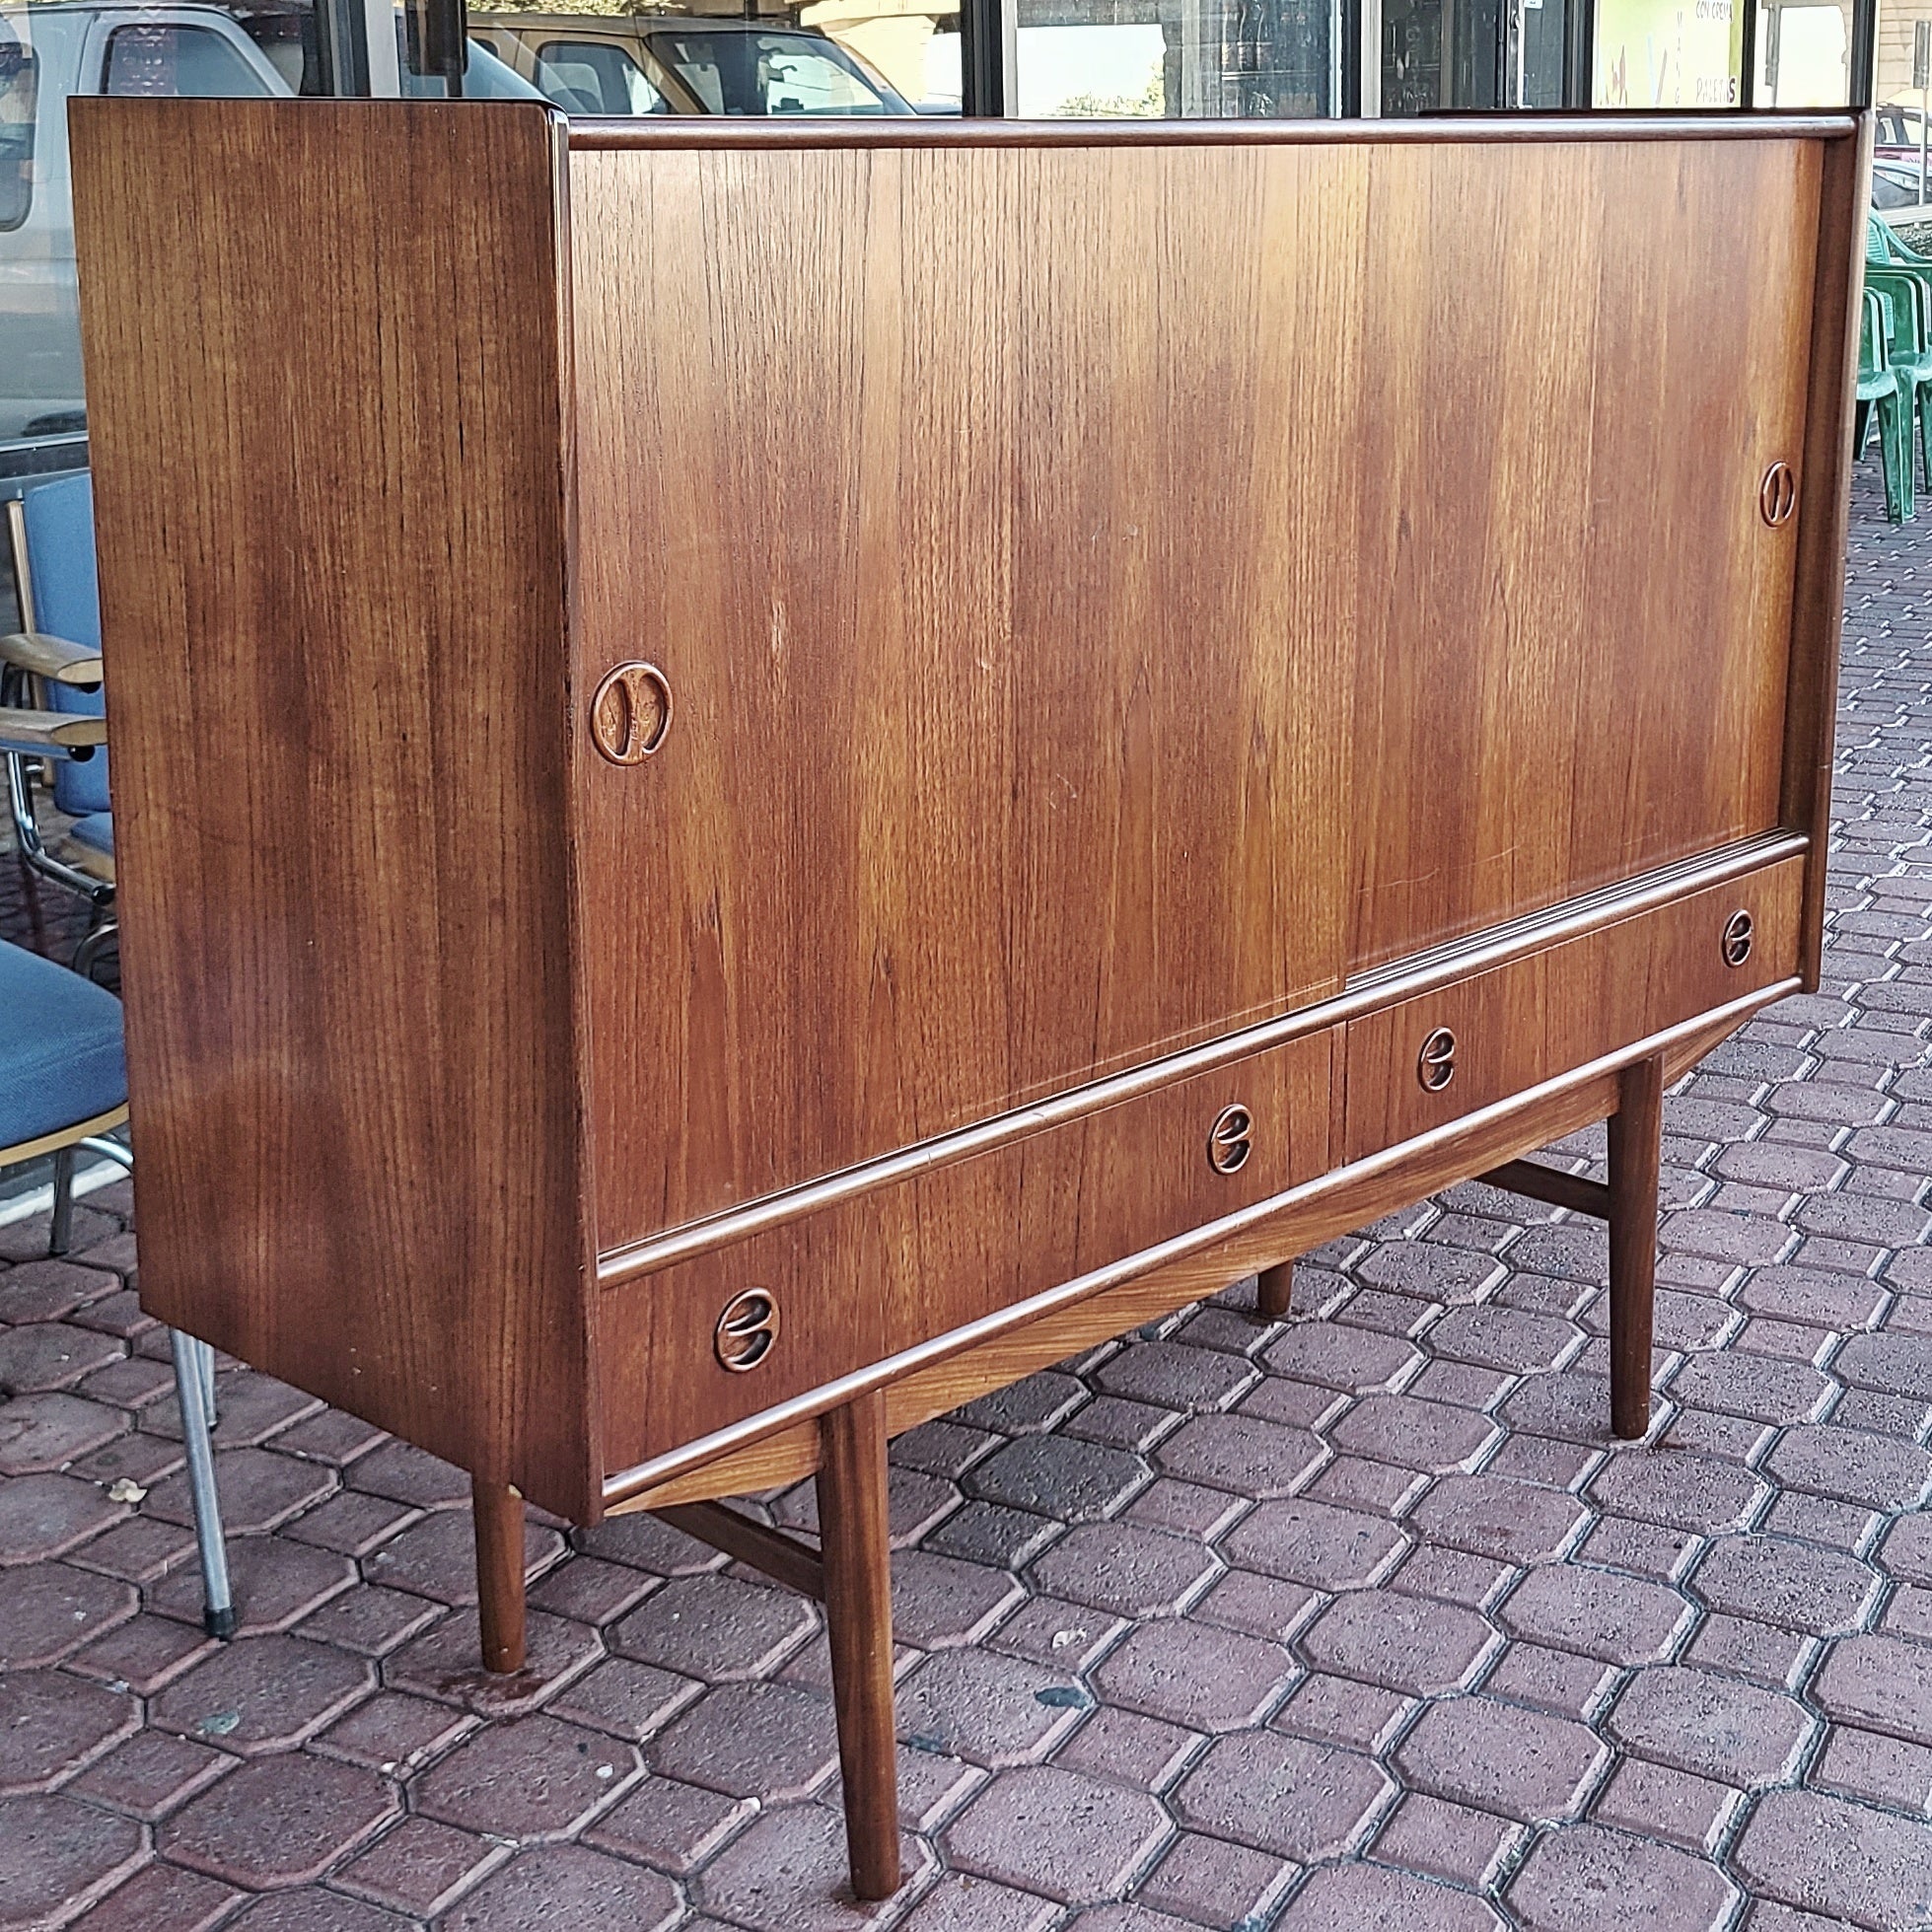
<point x="1894" y="183"/>
<point x="1895" y="131"/>
<point x="685" y="64"/>
<point x="50" y="51"/>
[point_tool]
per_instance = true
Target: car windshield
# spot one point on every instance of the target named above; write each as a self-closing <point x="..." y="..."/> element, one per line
<point x="771" y="73"/>
<point x="592" y="76"/>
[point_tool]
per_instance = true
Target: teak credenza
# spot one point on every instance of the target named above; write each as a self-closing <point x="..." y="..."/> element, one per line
<point x="768" y="775"/>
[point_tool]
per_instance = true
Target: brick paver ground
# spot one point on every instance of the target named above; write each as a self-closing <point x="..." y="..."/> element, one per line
<point x="1354" y="1623"/>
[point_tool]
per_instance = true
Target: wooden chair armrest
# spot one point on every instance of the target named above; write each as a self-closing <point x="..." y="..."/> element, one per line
<point x="49" y="731"/>
<point x="46" y="656"/>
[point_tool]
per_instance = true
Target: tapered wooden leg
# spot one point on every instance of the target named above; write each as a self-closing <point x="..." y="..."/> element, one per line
<point x="1636" y="1131"/>
<point x="499" y="1513"/>
<point x="856" y="1545"/>
<point x="1274" y="1289"/>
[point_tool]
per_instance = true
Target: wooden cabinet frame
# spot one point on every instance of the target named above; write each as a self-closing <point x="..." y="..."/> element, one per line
<point x="848" y="759"/>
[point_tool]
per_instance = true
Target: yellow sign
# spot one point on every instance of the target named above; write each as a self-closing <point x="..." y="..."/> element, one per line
<point x="1667" y="53"/>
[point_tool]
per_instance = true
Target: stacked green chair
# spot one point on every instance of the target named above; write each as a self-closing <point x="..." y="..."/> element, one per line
<point x="1880" y="395"/>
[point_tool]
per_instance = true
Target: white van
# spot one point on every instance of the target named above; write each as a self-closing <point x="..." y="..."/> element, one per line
<point x="49" y="52"/>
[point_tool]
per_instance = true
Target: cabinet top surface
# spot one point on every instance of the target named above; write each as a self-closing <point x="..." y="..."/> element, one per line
<point x="592" y="134"/>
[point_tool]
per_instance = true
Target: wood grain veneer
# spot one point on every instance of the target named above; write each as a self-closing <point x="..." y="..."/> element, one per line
<point x="329" y="460"/>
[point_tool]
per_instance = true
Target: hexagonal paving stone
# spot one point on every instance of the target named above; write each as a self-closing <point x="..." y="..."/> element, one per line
<point x="567" y="1886"/>
<point x="1314" y="1543"/>
<point x="786" y="1873"/>
<point x="1352" y="1359"/>
<point x="252" y="1407"/>
<point x="259" y="1490"/>
<point x="1523" y="1763"/>
<point x="48" y="1431"/>
<point x="1056" y="1833"/>
<point x="1171" y="1374"/>
<point x="1696" y="1721"/>
<point x="57" y="1854"/>
<point x="627" y="1699"/>
<point x="51" y="1724"/>
<point x="939" y="1601"/>
<point x="768" y="1741"/>
<point x="1373" y="1898"/>
<point x="1431" y="1271"/>
<point x="1898" y="1365"/>
<point x="1243" y="1454"/>
<point x="275" y="1582"/>
<point x="1126" y="1567"/>
<point x="48" y="1290"/>
<point x="1878" y="1681"/>
<point x="44" y="1515"/>
<point x="1585" y="1879"/>
<point x="1513" y="1340"/>
<point x="1850" y="1863"/>
<point x="530" y="1778"/>
<point x="1404" y="1643"/>
<point x="1760" y="1386"/>
<point x="1623" y="1620"/>
<point x="1797" y="1584"/>
<point x="281" y="1819"/>
<point x="263" y="1693"/>
<point x="49" y="1611"/>
<point x="51" y="1355"/>
<point x="436" y="1556"/>
<point x="1683" y="1490"/>
<point x="715" y="1626"/>
<point x="1852" y="1464"/>
<point x="1192" y="1674"/>
<point x="447" y="1661"/>
<point x="1060" y="1476"/>
<point x="1436" y="1437"/>
<point x="1290" y="1796"/>
<point x="992" y="1709"/>
<point x="1492" y="1516"/>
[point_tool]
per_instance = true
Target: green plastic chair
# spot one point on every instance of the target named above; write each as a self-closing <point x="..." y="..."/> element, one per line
<point x="1878" y="396"/>
<point x="1884" y="249"/>
<point x="1909" y="349"/>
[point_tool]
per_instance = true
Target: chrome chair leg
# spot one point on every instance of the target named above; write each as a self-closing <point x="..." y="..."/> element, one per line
<point x="88" y="951"/>
<point x="194" y="1363"/>
<point x="194" y="1391"/>
<point x="61" y="1237"/>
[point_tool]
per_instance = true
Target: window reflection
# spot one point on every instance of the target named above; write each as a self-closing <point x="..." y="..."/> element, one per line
<point x="178" y="61"/>
<point x="20" y="87"/>
<point x="1175" y="59"/>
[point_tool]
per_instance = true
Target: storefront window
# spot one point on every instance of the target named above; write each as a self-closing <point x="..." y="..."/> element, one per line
<point x="1172" y="59"/>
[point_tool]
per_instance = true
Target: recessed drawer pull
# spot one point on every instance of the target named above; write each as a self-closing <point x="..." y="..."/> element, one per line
<point x="630" y="713"/>
<point x="746" y="1330"/>
<point x="1230" y="1139"/>
<point x="1435" y="1065"/>
<point x="1738" y="934"/>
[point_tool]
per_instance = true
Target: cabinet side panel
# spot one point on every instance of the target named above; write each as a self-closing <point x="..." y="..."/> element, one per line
<point x="323" y="350"/>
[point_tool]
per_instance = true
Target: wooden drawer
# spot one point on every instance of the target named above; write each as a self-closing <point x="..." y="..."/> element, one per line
<point x="1444" y="1054"/>
<point x="918" y="1256"/>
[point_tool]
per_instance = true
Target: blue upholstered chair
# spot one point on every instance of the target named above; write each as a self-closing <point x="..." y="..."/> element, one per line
<point x="54" y="665"/>
<point x="63" y="1087"/>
